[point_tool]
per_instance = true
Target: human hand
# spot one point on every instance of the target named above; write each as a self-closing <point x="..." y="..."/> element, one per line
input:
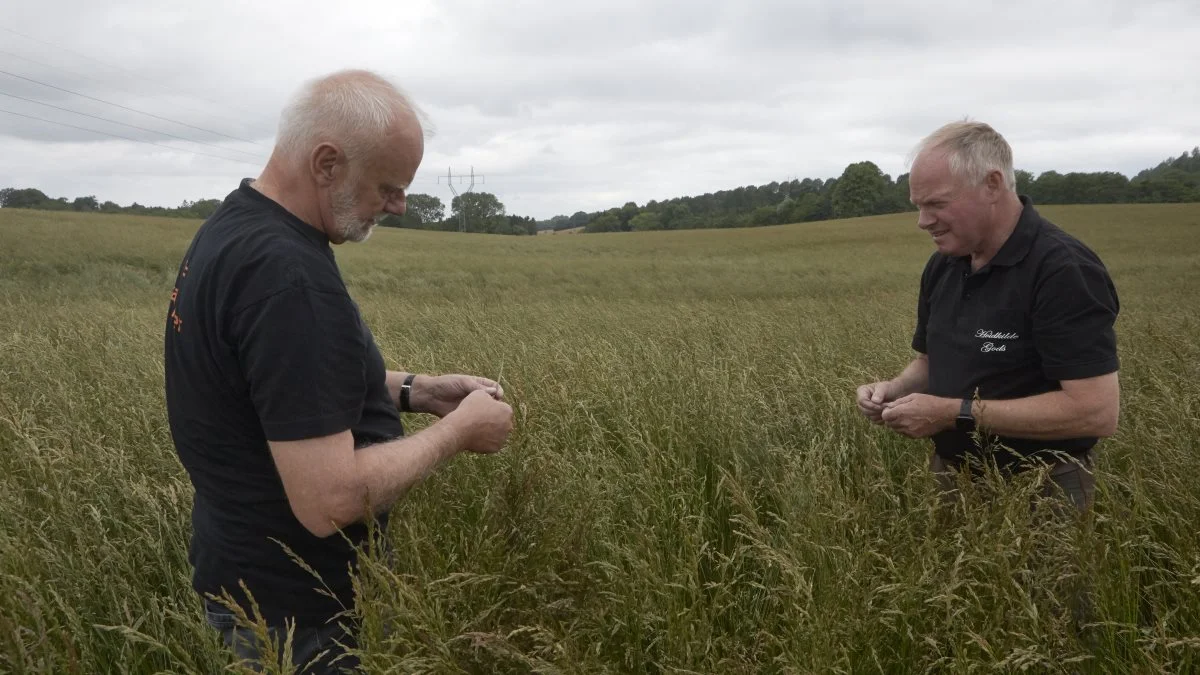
<point x="873" y="397"/>
<point x="486" y="421"/>
<point x="440" y="395"/>
<point x="920" y="415"/>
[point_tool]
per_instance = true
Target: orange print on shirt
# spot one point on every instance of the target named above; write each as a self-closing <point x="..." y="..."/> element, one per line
<point x="176" y="321"/>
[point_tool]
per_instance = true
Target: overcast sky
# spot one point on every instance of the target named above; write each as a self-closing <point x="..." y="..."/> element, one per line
<point x="568" y="106"/>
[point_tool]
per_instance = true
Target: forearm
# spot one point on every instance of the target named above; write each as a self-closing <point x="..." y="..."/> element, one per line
<point x="914" y="379"/>
<point x="387" y="471"/>
<point x="1045" y="417"/>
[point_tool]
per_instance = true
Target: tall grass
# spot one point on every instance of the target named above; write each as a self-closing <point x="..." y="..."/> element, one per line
<point x="688" y="488"/>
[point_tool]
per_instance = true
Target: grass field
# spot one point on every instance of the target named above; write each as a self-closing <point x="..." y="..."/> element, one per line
<point x="688" y="489"/>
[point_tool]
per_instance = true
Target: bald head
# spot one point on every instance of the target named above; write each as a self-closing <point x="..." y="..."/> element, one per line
<point x="348" y="147"/>
<point x="354" y="110"/>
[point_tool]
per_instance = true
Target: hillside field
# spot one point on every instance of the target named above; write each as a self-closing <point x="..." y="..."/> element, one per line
<point x="689" y="487"/>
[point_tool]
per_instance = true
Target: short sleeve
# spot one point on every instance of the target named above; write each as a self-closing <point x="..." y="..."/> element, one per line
<point x="303" y="354"/>
<point x="1074" y="313"/>
<point x="919" y="335"/>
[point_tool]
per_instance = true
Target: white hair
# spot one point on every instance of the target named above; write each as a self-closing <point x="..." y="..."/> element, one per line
<point x="974" y="150"/>
<point x="350" y="108"/>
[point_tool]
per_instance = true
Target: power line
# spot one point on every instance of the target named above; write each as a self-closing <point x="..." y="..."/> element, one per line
<point x="118" y="105"/>
<point x="131" y="126"/>
<point x="126" y="138"/>
<point x="115" y="67"/>
<point x="92" y="79"/>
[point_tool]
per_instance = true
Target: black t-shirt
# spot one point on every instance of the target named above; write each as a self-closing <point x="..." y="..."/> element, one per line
<point x="1040" y="312"/>
<point x="263" y="342"/>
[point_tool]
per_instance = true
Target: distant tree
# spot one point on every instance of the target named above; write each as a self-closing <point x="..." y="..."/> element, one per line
<point x="1048" y="188"/>
<point x="646" y="220"/>
<point x="1173" y="180"/>
<point x="1024" y="181"/>
<point x="811" y="186"/>
<point x="859" y="191"/>
<point x="810" y="206"/>
<point x="27" y="198"/>
<point x="608" y="222"/>
<point x="110" y="207"/>
<point x="628" y="212"/>
<point x="895" y="196"/>
<point x="480" y="209"/>
<point x="764" y="215"/>
<point x="900" y="196"/>
<point x="674" y="215"/>
<point x="579" y="219"/>
<point x="785" y="211"/>
<point x="519" y="225"/>
<point x="205" y="207"/>
<point x="1105" y="187"/>
<point x="421" y="212"/>
<point x="425" y="208"/>
<point x="1170" y="186"/>
<point x="88" y="203"/>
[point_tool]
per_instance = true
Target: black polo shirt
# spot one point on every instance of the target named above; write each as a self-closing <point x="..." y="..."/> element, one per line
<point x="263" y="342"/>
<point x="1040" y="312"/>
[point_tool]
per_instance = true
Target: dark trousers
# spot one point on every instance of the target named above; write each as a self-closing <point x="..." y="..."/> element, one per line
<point x="1069" y="477"/>
<point x="315" y="650"/>
<point x="1069" y="488"/>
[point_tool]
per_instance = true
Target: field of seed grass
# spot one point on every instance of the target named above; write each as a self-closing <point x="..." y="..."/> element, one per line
<point x="688" y="489"/>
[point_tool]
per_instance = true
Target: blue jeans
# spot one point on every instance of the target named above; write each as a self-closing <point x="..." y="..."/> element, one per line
<point x="315" y="650"/>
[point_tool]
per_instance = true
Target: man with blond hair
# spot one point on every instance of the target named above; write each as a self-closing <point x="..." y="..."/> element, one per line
<point x="1016" y="351"/>
<point x="280" y="405"/>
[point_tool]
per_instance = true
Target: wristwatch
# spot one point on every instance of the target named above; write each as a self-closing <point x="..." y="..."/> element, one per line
<point x="406" y="393"/>
<point x="965" y="422"/>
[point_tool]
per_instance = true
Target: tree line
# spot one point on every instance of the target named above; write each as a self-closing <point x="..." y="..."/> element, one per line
<point x="470" y="212"/>
<point x="32" y="198"/>
<point x="862" y="190"/>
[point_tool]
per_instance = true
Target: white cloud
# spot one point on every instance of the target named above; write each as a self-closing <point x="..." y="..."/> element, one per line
<point x="567" y="106"/>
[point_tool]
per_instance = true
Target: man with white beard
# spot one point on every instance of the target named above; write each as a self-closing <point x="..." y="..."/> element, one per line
<point x="280" y="404"/>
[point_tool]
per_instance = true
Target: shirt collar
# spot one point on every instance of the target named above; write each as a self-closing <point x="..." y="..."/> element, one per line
<point x="1018" y="244"/>
<point x="318" y="237"/>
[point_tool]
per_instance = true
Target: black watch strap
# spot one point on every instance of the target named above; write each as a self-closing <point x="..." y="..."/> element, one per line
<point x="966" y="419"/>
<point x="406" y="393"/>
